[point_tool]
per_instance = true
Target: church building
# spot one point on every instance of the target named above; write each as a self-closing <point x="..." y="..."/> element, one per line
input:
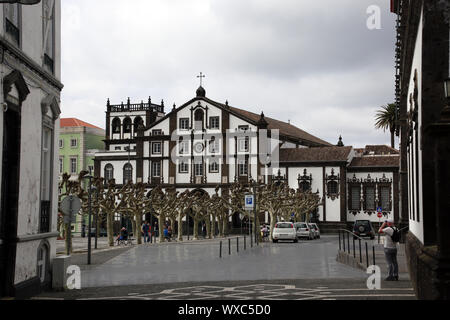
<point x="204" y="144"/>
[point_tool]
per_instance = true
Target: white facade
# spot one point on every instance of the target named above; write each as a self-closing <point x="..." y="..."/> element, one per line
<point x="32" y="68"/>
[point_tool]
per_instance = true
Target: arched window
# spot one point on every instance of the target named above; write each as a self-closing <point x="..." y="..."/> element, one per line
<point x="198" y="117"/>
<point x="127" y="173"/>
<point x="109" y="172"/>
<point x="116" y="125"/>
<point x="42" y="263"/>
<point x="127" y="125"/>
<point x="137" y="122"/>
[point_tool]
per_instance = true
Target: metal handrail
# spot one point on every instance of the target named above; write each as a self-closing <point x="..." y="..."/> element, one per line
<point x="354" y="248"/>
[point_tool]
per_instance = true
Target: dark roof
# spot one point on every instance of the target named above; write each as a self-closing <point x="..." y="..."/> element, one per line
<point x="376" y="161"/>
<point x="380" y="150"/>
<point x="321" y="154"/>
<point x="286" y="129"/>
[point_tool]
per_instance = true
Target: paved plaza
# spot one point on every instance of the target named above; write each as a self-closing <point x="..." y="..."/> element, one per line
<point x="194" y="270"/>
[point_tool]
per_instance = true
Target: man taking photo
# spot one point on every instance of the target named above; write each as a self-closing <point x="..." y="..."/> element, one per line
<point x="392" y="236"/>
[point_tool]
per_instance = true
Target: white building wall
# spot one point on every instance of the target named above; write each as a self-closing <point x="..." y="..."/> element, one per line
<point x="414" y="226"/>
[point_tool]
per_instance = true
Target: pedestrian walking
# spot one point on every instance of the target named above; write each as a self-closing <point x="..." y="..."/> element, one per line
<point x="169" y="231"/>
<point x="145" y="231"/>
<point x="392" y="236"/>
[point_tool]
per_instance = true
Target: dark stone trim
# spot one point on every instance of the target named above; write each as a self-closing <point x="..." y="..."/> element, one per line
<point x="324" y="194"/>
<point x="15" y="78"/>
<point x="308" y="164"/>
<point x="343" y="194"/>
<point x="373" y="169"/>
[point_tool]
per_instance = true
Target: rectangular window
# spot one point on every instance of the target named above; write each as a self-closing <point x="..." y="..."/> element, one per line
<point x="12" y="22"/>
<point x="46" y="162"/>
<point x="157" y="132"/>
<point x="48" y="7"/>
<point x="61" y="143"/>
<point x="183" y="167"/>
<point x="156" y="147"/>
<point x="356" y="198"/>
<point x="184" y="124"/>
<point x="243" y="144"/>
<point x="156" y="169"/>
<point x="213" y="167"/>
<point x="385" y="197"/>
<point x="243" y="128"/>
<point x="243" y="167"/>
<point x="214" y="146"/>
<point x="214" y="123"/>
<point x="117" y="148"/>
<point x="73" y="143"/>
<point x="369" y="198"/>
<point x="73" y="166"/>
<point x="61" y="165"/>
<point x="183" y="147"/>
<point x="198" y="169"/>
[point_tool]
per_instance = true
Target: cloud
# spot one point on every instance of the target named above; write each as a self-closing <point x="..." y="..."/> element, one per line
<point x="314" y="63"/>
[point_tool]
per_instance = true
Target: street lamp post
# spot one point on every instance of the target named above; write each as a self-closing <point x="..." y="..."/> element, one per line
<point x="89" y="220"/>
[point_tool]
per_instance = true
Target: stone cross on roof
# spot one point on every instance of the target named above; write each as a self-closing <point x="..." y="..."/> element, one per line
<point x="201" y="76"/>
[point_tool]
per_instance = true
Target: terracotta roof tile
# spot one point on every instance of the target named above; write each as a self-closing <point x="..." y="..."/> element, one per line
<point x="380" y="150"/>
<point x="74" y="122"/>
<point x="321" y="154"/>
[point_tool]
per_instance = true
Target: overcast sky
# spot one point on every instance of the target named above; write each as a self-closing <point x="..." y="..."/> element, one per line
<point x="312" y="62"/>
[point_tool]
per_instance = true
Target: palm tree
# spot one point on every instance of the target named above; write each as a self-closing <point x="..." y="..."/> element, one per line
<point x="386" y="120"/>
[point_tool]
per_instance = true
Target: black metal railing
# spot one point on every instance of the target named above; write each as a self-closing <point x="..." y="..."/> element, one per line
<point x="235" y="244"/>
<point x="44" y="219"/>
<point x="344" y="246"/>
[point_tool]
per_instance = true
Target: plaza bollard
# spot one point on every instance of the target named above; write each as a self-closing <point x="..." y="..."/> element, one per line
<point x="354" y="252"/>
<point x="229" y="246"/>
<point x="367" y="255"/>
<point x="360" y="253"/>
<point x="348" y="242"/>
<point x="373" y="250"/>
<point x="220" y="250"/>
<point x="343" y="240"/>
<point x="237" y="245"/>
<point x="339" y="232"/>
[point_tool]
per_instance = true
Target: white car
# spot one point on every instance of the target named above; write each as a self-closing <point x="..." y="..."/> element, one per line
<point x="315" y="228"/>
<point x="303" y="230"/>
<point x="284" y="231"/>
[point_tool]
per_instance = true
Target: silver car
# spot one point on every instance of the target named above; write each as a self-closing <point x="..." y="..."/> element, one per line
<point x="316" y="230"/>
<point x="304" y="231"/>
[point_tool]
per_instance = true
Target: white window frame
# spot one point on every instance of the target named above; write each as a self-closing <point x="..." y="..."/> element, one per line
<point x="212" y="121"/>
<point x="76" y="143"/>
<point x="243" y="168"/>
<point x="71" y="165"/>
<point x="186" y="121"/>
<point x="183" y="167"/>
<point x="196" y="169"/>
<point x="154" y="144"/>
<point x="61" y="165"/>
<point x="61" y="143"/>
<point x="183" y="147"/>
<point x="214" y="163"/>
<point x="244" y="144"/>
<point x="214" y="146"/>
<point x="156" y="169"/>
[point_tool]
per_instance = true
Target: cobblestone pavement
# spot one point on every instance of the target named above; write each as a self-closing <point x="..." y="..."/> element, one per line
<point x="194" y="270"/>
<point x="300" y="289"/>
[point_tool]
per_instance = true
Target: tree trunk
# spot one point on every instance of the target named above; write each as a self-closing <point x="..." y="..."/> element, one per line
<point x="161" y="220"/>
<point x="272" y="223"/>
<point x="393" y="139"/>
<point x="196" y="228"/>
<point x="138" y="223"/>
<point x="180" y="227"/>
<point x="133" y="226"/>
<point x="208" y="226"/>
<point x="109" y="228"/>
<point x="213" y="226"/>
<point x="224" y="226"/>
